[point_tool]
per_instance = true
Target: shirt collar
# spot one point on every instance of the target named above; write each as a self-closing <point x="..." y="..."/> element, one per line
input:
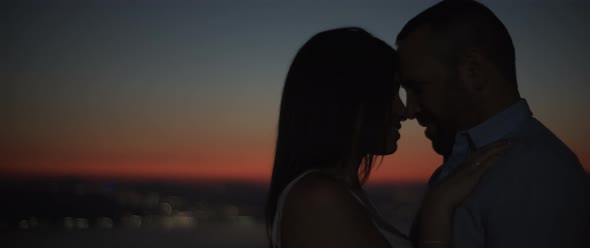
<point x="495" y="127"/>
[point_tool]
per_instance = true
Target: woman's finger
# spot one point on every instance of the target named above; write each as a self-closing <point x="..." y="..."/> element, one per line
<point x="493" y="148"/>
<point x="482" y="167"/>
<point x="486" y="153"/>
<point x="483" y="159"/>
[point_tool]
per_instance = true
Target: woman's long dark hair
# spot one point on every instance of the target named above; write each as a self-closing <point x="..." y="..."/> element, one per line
<point x="337" y="76"/>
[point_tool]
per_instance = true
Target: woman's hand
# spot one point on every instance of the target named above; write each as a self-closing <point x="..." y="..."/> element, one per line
<point x="443" y="198"/>
<point x="453" y="190"/>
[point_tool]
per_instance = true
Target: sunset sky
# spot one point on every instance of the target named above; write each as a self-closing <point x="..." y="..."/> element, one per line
<point x="190" y="90"/>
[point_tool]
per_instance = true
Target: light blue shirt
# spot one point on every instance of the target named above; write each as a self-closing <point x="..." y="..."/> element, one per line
<point x="536" y="195"/>
<point x="491" y="130"/>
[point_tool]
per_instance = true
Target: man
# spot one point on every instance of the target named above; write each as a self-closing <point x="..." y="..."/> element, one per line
<point x="458" y="67"/>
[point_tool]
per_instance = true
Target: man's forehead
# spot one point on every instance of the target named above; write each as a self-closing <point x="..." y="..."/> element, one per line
<point x="416" y="40"/>
<point x="415" y="54"/>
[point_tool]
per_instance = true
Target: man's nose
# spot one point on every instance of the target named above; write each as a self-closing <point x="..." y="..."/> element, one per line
<point x="412" y="106"/>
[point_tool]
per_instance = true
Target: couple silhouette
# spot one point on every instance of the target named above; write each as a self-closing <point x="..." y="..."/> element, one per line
<point x="506" y="180"/>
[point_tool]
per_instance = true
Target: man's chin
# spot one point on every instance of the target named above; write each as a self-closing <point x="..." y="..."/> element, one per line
<point x="442" y="142"/>
<point x="440" y="148"/>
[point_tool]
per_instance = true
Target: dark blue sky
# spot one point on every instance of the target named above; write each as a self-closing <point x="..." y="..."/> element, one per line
<point x="147" y="76"/>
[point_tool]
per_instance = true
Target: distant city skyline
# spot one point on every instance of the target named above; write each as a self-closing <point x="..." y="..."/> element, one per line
<point x="187" y="90"/>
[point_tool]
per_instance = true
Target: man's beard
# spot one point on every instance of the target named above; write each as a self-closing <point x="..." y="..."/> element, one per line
<point x="443" y="141"/>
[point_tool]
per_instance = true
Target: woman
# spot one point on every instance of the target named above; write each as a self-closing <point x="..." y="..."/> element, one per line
<point x="340" y="109"/>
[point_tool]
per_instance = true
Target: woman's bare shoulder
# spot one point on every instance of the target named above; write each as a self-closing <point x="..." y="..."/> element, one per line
<point x="320" y="209"/>
<point x="319" y="189"/>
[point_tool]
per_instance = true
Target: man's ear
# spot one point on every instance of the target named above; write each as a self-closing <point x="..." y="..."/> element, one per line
<point x="472" y="70"/>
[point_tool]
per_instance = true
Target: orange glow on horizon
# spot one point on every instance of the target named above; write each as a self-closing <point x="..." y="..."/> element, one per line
<point x="412" y="164"/>
<point x="257" y="169"/>
<point x="414" y="172"/>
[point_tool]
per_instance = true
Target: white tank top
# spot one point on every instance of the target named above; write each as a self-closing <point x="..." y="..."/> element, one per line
<point x="394" y="240"/>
